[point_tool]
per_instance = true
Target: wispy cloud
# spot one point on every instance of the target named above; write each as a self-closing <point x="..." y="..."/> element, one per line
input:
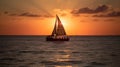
<point x="5" y="12"/>
<point x="26" y="14"/>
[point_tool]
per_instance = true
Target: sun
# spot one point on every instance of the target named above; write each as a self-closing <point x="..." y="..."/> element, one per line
<point x="65" y="22"/>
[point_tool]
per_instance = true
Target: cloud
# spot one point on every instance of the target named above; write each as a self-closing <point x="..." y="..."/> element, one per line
<point x="27" y="14"/>
<point x="100" y="11"/>
<point x="111" y="14"/>
<point x="5" y="12"/>
<point x="82" y="10"/>
<point x="114" y="13"/>
<point x="87" y="10"/>
<point x="102" y="8"/>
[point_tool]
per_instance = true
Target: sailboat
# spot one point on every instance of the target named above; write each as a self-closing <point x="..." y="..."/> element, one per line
<point x="58" y="33"/>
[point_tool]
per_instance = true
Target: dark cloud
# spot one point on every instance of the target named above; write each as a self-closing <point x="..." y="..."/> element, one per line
<point x="114" y="14"/>
<point x="5" y="12"/>
<point x="82" y="10"/>
<point x="87" y="10"/>
<point x="101" y="8"/>
<point x="27" y="14"/>
<point x="111" y="14"/>
<point x="100" y="11"/>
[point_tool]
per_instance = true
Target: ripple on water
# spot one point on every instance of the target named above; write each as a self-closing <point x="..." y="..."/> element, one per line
<point x="97" y="63"/>
<point x="36" y="52"/>
<point x="10" y="60"/>
<point x="60" y="62"/>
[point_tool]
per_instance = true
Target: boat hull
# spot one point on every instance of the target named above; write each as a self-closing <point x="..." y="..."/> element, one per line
<point x="56" y="39"/>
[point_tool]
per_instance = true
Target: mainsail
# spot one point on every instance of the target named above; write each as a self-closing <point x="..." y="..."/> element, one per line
<point x="58" y="33"/>
<point x="58" y="29"/>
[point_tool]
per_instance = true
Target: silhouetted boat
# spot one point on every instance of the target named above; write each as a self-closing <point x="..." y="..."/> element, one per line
<point x="58" y="33"/>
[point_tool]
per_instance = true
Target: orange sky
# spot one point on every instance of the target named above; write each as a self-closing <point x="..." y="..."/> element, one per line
<point x="38" y="18"/>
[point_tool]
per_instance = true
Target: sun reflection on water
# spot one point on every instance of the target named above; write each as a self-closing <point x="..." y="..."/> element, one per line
<point x="62" y="57"/>
<point x="63" y="66"/>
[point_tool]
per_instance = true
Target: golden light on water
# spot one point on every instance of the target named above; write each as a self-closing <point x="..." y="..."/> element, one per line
<point x="64" y="66"/>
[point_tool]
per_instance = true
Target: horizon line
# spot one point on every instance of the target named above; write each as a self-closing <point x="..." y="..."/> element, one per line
<point x="67" y="35"/>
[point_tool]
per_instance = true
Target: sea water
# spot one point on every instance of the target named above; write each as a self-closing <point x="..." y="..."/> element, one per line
<point x="80" y="51"/>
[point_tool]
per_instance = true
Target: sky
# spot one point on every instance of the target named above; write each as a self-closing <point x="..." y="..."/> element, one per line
<point x="79" y="17"/>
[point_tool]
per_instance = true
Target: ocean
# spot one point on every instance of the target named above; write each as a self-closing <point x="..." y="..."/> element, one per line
<point x="80" y="51"/>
